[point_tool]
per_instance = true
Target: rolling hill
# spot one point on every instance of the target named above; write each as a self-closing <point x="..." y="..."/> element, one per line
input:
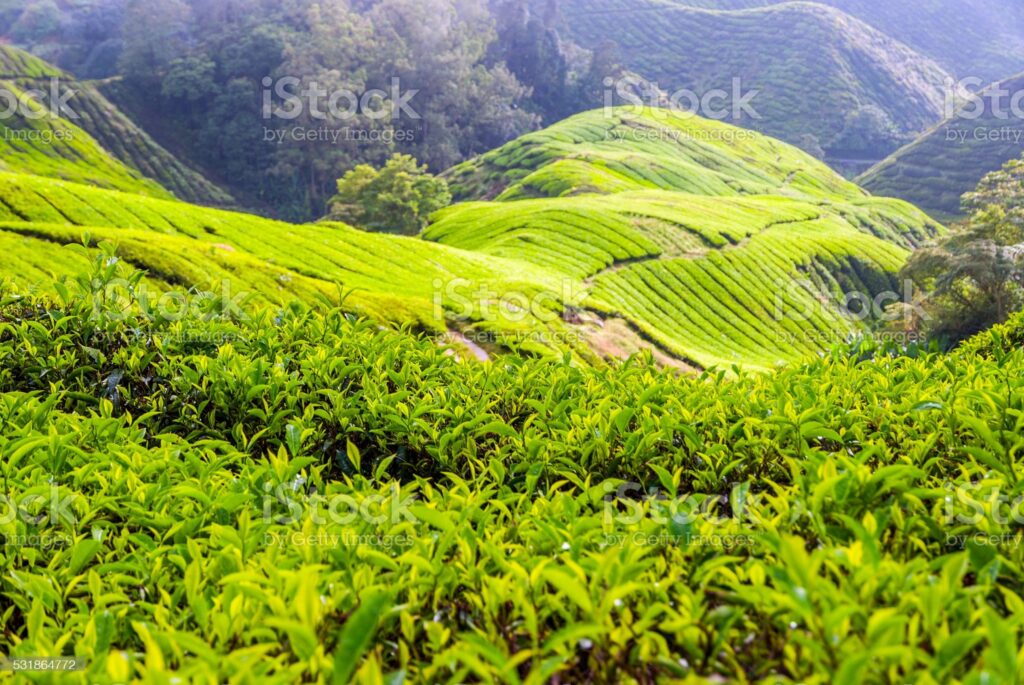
<point x="310" y="484"/>
<point x="707" y="244"/>
<point x="950" y="159"/>
<point x="90" y="140"/>
<point x="810" y="64"/>
<point x="693" y="237"/>
<point x="968" y="38"/>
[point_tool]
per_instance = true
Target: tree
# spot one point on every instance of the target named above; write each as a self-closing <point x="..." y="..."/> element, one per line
<point x="157" y="33"/>
<point x="438" y="49"/>
<point x="974" y="277"/>
<point x="396" y="199"/>
<point x="190" y="78"/>
<point x="532" y="51"/>
<point x="868" y="129"/>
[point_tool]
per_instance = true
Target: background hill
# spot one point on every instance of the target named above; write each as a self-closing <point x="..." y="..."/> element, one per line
<point x="969" y="38"/>
<point x="93" y="140"/>
<point x="950" y="159"/>
<point x="814" y="65"/>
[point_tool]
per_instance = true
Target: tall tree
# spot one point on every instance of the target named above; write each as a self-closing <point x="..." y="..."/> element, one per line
<point x="974" y="277"/>
<point x="159" y="34"/>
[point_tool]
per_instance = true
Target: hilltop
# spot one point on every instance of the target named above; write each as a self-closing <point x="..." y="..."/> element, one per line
<point x="968" y="38"/>
<point x="87" y="139"/>
<point x="720" y="245"/>
<point x="811" y="64"/>
<point x="951" y="158"/>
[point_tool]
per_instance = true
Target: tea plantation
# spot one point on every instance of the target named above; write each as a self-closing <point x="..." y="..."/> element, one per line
<point x="292" y="494"/>
<point x="89" y="139"/>
<point x="800" y="66"/>
<point x="968" y="38"/>
<point x="720" y="245"/>
<point x="950" y="159"/>
<point x="238" y="450"/>
<point x="701" y="218"/>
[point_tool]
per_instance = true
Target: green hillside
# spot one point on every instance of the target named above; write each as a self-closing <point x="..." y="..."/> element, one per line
<point x="606" y="152"/>
<point x="238" y="450"/>
<point x="969" y="38"/>
<point x="392" y="279"/>
<point x="707" y="244"/>
<point x="720" y="249"/>
<point x="950" y="159"/>
<point x="91" y="122"/>
<point x="35" y="141"/>
<point x="811" y="64"/>
<point x="524" y="522"/>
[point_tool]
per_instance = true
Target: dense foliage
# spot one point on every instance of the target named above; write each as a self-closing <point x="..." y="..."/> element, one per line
<point x="521" y="521"/>
<point x="196" y="74"/>
<point x="398" y="198"/>
<point x="974" y="276"/>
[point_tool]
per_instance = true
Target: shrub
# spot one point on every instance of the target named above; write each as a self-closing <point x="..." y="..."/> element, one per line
<point x="395" y="199"/>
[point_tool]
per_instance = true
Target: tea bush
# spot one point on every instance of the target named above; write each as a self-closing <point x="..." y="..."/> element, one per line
<point x="295" y="494"/>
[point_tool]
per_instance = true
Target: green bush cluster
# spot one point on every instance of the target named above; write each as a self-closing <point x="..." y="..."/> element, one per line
<point x="521" y="521"/>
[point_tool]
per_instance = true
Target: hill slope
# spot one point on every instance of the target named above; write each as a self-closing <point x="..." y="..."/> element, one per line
<point x="391" y="279"/>
<point x="811" y="64"/>
<point x="719" y="248"/>
<point x="89" y="121"/>
<point x="707" y="244"/>
<point x="969" y="38"/>
<point x="950" y="159"/>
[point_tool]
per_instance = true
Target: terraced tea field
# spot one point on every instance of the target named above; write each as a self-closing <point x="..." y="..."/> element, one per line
<point x="731" y="276"/>
<point x="801" y="66"/>
<point x="640" y="149"/>
<point x="949" y="160"/>
<point x="526" y="274"/>
<point x="391" y="279"/>
<point x="968" y="38"/>
<point x="92" y="141"/>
